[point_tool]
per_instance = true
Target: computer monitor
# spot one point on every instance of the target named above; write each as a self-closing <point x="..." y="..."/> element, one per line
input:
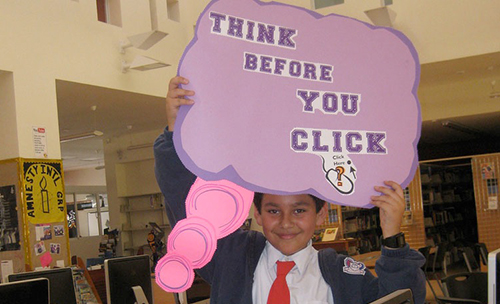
<point x="128" y="280"/>
<point x="62" y="287"/>
<point x="493" y="277"/>
<point x="402" y="296"/>
<point x="27" y="291"/>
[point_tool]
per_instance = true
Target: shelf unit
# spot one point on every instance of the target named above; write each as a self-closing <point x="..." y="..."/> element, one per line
<point x="364" y="225"/>
<point x="139" y="211"/>
<point x="358" y="223"/>
<point x="448" y="202"/>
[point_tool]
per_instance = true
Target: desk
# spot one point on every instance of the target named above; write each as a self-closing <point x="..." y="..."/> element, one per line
<point x="369" y="259"/>
<point x="339" y="245"/>
<point x="160" y="295"/>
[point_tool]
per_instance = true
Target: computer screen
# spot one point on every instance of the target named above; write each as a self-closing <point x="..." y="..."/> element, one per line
<point x="493" y="277"/>
<point x="125" y="273"/>
<point x="62" y="287"/>
<point x="27" y="291"/>
<point x="402" y="296"/>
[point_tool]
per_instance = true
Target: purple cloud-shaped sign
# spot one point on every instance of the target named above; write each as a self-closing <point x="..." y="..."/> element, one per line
<point x="289" y="101"/>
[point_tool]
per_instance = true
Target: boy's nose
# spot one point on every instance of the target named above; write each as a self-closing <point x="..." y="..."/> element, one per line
<point x="286" y="221"/>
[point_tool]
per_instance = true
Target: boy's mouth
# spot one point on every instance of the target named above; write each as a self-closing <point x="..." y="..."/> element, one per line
<point x="287" y="236"/>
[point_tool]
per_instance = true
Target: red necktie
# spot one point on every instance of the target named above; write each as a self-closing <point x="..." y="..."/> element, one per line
<point x="279" y="293"/>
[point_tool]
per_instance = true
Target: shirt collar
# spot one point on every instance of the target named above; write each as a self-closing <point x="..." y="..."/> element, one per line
<point x="301" y="258"/>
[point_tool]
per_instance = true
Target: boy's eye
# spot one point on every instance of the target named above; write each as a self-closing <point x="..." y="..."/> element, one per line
<point x="273" y="211"/>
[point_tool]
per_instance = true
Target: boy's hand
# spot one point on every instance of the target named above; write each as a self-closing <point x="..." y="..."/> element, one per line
<point x="175" y="98"/>
<point x="392" y="206"/>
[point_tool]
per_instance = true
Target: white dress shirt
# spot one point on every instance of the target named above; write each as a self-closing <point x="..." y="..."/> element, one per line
<point x="305" y="281"/>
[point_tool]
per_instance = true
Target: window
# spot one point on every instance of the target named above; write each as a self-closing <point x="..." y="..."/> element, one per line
<point x="317" y="4"/>
<point x="173" y="10"/>
<point x="406" y="192"/>
<point x="102" y="12"/>
<point x="109" y="11"/>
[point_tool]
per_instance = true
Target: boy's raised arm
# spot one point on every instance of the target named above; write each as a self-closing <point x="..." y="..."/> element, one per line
<point x="173" y="178"/>
<point x="392" y="206"/>
<point x="176" y="97"/>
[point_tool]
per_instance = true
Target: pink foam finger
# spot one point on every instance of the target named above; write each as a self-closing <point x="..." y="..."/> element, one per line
<point x="174" y="273"/>
<point x="195" y="239"/>
<point x="222" y="203"/>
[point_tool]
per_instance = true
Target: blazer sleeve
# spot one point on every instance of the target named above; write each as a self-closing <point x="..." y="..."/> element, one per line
<point x="173" y="178"/>
<point x="400" y="269"/>
<point x="351" y="282"/>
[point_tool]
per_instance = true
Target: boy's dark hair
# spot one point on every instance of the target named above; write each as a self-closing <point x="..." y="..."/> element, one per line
<point x="257" y="201"/>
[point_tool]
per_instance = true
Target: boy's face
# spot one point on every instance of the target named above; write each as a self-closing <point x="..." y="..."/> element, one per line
<point x="289" y="221"/>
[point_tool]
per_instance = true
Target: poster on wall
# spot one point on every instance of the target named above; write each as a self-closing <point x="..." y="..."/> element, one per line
<point x="487" y="171"/>
<point x="43" y="232"/>
<point x="9" y="228"/>
<point x="302" y="103"/>
<point x="43" y="191"/>
<point x="71" y="216"/>
<point x="40" y="142"/>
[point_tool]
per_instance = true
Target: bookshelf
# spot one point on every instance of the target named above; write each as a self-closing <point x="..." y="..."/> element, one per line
<point x="364" y="225"/>
<point x="448" y="202"/>
<point x="355" y="223"/>
<point x="333" y="219"/>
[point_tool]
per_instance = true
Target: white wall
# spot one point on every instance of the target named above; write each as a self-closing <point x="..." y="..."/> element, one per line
<point x="54" y="39"/>
<point x="115" y="154"/>
<point x="85" y="248"/>
<point x="8" y="117"/>
<point x="85" y="177"/>
<point x="440" y="30"/>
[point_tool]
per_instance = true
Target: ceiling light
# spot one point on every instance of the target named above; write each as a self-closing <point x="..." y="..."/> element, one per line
<point x="494" y="94"/>
<point x="143" y="146"/>
<point x="85" y="135"/>
<point x="143" y="41"/>
<point x="91" y="158"/>
<point x="461" y="128"/>
<point x="143" y="63"/>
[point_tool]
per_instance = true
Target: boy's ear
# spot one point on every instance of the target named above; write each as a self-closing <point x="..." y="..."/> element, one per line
<point x="321" y="215"/>
<point x="257" y="216"/>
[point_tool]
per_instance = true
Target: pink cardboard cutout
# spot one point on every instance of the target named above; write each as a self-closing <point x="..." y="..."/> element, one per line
<point x="222" y="203"/>
<point x="174" y="273"/>
<point x="46" y="259"/>
<point x="194" y="238"/>
<point x="214" y="209"/>
<point x="290" y="101"/>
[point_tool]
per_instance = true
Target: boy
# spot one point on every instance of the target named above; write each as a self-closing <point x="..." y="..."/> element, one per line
<point x="243" y="268"/>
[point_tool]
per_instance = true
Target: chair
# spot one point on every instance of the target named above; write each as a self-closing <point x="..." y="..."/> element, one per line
<point x="198" y="293"/>
<point x="425" y="251"/>
<point x="440" y="257"/>
<point x="465" y="288"/>
<point x="470" y="259"/>
<point x="482" y="252"/>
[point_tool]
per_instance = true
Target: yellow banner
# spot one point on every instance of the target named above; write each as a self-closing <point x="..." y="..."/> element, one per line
<point x="43" y="191"/>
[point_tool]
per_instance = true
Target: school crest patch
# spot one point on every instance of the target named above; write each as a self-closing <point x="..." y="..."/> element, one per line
<point x="354" y="267"/>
